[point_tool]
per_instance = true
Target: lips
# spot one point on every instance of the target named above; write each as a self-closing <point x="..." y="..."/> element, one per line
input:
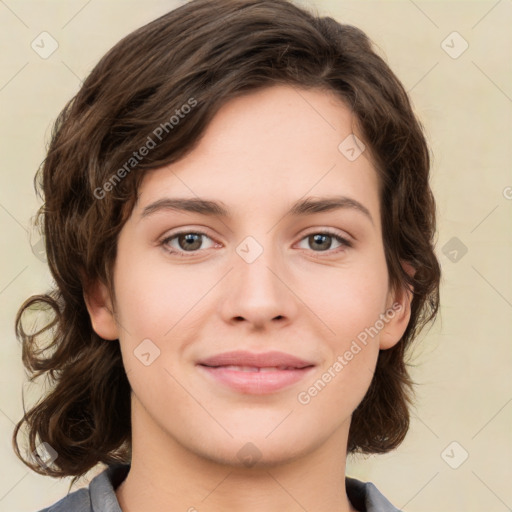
<point x="278" y="360"/>
<point x="250" y="373"/>
<point x="255" y="368"/>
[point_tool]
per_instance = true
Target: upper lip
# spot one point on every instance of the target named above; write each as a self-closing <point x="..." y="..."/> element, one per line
<point x="261" y="360"/>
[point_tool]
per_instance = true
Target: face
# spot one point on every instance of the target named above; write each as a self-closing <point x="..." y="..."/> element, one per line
<point x="301" y="293"/>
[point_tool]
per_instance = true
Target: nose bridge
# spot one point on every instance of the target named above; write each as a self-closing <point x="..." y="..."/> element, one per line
<point x="258" y="289"/>
<point x="255" y="258"/>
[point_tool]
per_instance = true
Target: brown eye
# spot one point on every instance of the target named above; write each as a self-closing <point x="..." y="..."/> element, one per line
<point x="185" y="241"/>
<point x="320" y="241"/>
<point x="190" y="241"/>
<point x="323" y="241"/>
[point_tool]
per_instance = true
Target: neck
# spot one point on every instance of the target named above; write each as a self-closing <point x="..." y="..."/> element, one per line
<point x="165" y="475"/>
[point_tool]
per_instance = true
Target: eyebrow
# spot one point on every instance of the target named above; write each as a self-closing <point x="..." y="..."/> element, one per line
<point x="302" y="207"/>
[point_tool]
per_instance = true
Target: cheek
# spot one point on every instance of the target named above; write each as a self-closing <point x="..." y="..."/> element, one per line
<point x="152" y="296"/>
<point x="351" y="343"/>
<point x="155" y="295"/>
<point x="348" y="299"/>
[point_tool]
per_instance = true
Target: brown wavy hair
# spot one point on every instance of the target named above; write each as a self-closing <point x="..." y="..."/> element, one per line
<point x="210" y="52"/>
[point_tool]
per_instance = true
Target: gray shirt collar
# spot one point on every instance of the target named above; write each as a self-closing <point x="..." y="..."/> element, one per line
<point x="100" y="495"/>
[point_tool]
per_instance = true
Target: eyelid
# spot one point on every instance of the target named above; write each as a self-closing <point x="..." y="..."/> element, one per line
<point x="330" y="231"/>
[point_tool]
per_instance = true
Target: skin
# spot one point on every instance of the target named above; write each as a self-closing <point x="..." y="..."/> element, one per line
<point x="261" y="153"/>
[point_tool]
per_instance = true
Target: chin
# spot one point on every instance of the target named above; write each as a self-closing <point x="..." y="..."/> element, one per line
<point x="253" y="449"/>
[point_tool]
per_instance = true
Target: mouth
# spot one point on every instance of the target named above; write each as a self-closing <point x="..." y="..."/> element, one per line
<point x="250" y="373"/>
<point x="254" y="368"/>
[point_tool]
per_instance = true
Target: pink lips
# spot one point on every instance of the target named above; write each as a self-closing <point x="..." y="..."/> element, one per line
<point x="251" y="373"/>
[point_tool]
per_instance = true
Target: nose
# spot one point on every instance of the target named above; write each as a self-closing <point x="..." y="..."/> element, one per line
<point x="257" y="290"/>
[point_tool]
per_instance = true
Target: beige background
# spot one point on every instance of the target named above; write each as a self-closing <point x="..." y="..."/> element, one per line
<point x="462" y="364"/>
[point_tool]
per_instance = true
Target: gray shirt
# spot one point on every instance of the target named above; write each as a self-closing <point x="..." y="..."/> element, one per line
<point x="100" y="496"/>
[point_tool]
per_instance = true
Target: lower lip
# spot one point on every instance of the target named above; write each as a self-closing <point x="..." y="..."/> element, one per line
<point x="256" y="383"/>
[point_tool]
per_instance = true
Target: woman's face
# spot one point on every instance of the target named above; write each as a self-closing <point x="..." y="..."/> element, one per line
<point x="255" y="270"/>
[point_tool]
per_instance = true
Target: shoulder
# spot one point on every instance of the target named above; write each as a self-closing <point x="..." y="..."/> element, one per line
<point x="98" y="496"/>
<point x="366" y="497"/>
<point x="78" y="501"/>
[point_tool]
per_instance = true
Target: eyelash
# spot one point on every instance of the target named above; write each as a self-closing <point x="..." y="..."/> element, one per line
<point x="183" y="254"/>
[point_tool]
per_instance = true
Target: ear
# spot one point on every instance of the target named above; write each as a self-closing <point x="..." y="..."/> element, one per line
<point x="99" y="305"/>
<point x="397" y="314"/>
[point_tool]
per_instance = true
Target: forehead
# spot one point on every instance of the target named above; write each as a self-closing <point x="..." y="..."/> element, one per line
<point x="271" y="147"/>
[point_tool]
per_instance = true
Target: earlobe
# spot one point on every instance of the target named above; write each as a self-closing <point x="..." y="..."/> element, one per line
<point x="99" y="306"/>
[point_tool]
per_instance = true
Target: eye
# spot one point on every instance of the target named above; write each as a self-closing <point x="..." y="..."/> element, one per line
<point x="192" y="242"/>
<point x="184" y="241"/>
<point x="323" y="241"/>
